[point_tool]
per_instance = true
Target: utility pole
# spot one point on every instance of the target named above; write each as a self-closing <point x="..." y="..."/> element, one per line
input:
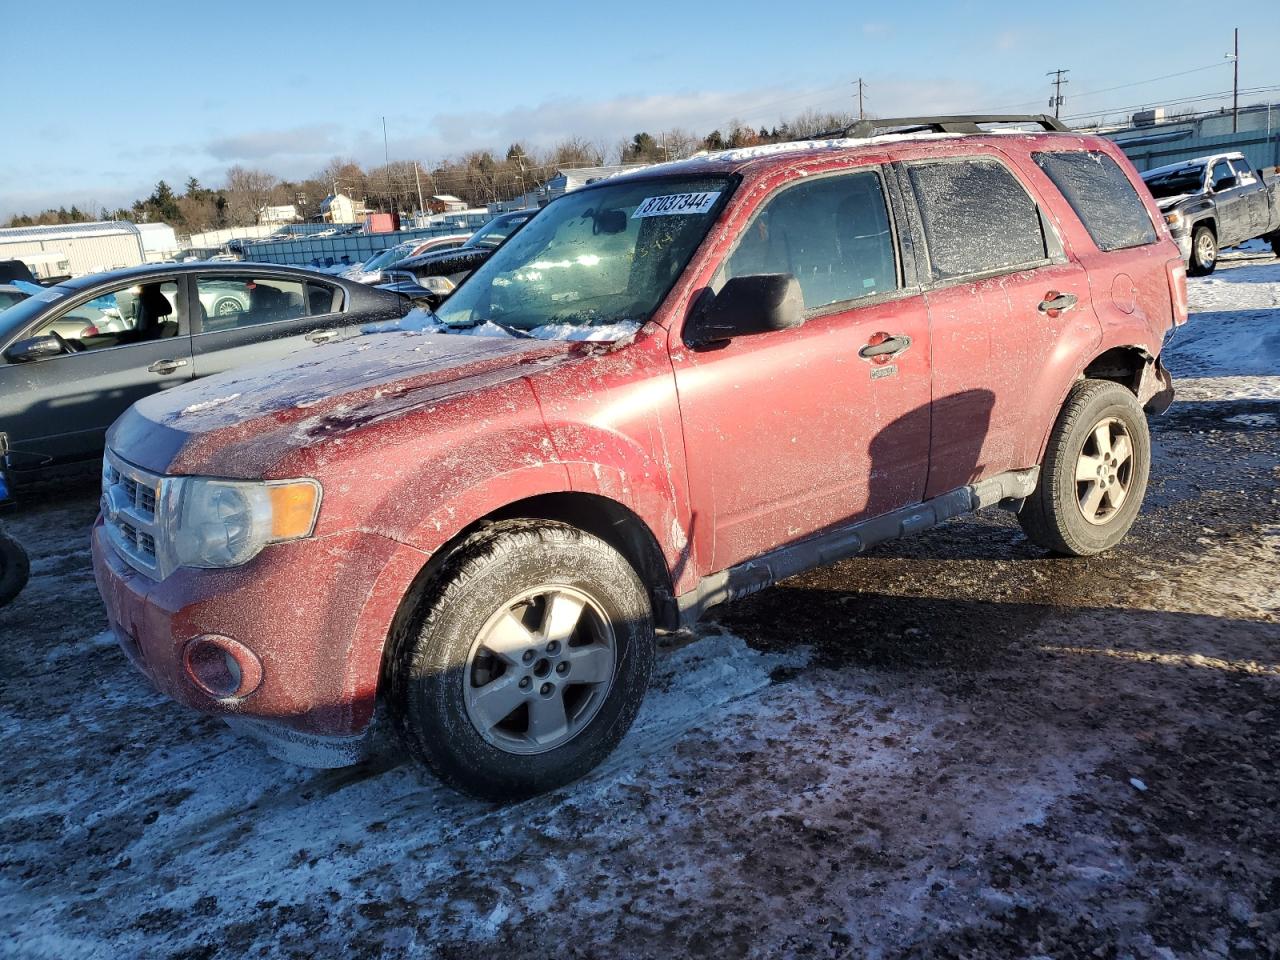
<point x="417" y="178"/>
<point x="1055" y="101"/>
<point x="860" y="85"/>
<point x="1235" y="84"/>
<point x="386" y="151"/>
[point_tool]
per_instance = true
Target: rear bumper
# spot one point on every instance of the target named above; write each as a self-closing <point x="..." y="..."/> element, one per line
<point x="315" y="615"/>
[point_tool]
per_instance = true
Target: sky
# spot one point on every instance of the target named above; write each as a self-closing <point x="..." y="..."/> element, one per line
<point x="106" y="99"/>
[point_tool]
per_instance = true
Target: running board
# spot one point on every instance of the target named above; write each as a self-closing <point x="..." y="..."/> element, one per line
<point x="844" y="542"/>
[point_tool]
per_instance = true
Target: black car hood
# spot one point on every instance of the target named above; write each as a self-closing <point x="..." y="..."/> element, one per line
<point x="443" y="262"/>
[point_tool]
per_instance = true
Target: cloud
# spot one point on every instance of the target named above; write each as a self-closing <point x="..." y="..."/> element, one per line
<point x="314" y="140"/>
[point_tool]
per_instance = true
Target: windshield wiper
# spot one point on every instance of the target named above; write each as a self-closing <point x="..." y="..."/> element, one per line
<point x="514" y="331"/>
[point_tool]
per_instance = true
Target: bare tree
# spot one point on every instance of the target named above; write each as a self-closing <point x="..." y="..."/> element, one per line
<point x="248" y="192"/>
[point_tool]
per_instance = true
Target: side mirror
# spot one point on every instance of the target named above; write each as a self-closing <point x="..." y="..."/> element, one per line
<point x="34" y="348"/>
<point x="1226" y="183"/>
<point x="747" y="305"/>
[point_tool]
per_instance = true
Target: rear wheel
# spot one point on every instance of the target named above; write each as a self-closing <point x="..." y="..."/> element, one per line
<point x="1094" y="473"/>
<point x="530" y="659"/>
<point x="1204" y="252"/>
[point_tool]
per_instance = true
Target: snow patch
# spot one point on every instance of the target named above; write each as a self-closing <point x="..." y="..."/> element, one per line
<point x="204" y="405"/>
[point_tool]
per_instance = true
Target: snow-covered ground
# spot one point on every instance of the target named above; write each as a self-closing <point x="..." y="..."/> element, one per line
<point x="954" y="746"/>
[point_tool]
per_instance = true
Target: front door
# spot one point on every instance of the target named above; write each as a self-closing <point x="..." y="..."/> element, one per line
<point x="252" y="317"/>
<point x="791" y="432"/>
<point x="1231" y="199"/>
<point x="120" y="346"/>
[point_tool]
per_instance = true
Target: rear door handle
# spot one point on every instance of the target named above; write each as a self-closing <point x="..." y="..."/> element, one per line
<point x="1055" y="303"/>
<point x="322" y="336"/>
<point x="883" y="345"/>
<point x="166" y="366"/>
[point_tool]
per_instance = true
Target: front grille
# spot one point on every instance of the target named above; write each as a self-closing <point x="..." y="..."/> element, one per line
<point x="132" y="512"/>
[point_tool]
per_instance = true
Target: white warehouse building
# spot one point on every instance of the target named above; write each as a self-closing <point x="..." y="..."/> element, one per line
<point x="87" y="247"/>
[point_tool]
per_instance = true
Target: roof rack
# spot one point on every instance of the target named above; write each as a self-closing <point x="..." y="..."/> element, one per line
<point x="965" y="123"/>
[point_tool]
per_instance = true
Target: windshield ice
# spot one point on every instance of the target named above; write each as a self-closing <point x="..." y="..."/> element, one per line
<point x="594" y="258"/>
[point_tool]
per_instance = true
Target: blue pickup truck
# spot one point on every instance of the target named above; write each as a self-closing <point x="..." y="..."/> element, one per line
<point x="1215" y="202"/>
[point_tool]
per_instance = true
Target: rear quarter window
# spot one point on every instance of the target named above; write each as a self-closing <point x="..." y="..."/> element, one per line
<point x="1102" y="196"/>
<point x="977" y="217"/>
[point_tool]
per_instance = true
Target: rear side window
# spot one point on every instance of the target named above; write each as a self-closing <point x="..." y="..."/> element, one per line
<point x="977" y="218"/>
<point x="831" y="233"/>
<point x="1102" y="197"/>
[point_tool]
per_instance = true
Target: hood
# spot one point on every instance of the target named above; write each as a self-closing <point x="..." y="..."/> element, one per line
<point x="1166" y="203"/>
<point x="242" y="423"/>
<point x="442" y="262"/>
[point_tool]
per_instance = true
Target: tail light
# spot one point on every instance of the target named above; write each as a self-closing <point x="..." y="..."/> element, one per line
<point x="1178" y="290"/>
<point x="90" y="331"/>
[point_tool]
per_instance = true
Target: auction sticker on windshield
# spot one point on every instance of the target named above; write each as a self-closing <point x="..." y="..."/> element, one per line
<point x="676" y="204"/>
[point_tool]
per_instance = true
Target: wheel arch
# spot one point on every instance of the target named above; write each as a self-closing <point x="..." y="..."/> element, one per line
<point x="611" y="521"/>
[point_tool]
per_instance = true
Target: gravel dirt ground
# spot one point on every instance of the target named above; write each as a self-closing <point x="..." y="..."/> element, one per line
<point x="953" y="746"/>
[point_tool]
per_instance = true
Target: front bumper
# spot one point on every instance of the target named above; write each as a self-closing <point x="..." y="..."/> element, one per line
<point x="315" y="613"/>
<point x="1184" y="246"/>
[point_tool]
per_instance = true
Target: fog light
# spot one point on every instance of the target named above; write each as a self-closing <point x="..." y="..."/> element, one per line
<point x="222" y="667"/>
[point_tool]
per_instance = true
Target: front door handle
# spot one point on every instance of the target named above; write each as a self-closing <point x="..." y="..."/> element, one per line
<point x="884" y="346"/>
<point x="1055" y="303"/>
<point x="166" y="366"/>
<point x="322" y="336"/>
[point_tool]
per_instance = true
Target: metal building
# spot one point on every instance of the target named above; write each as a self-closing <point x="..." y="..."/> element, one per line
<point x="88" y="247"/>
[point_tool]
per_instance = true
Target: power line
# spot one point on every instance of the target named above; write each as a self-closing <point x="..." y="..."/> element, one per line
<point x="1119" y="86"/>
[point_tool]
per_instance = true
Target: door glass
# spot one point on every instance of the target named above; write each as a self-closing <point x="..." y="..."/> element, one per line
<point x="133" y="314"/>
<point x="1221" y="171"/>
<point x="832" y="234"/>
<point x="1102" y="197"/>
<point x="228" y="302"/>
<point x="977" y="218"/>
<point x="323" y="298"/>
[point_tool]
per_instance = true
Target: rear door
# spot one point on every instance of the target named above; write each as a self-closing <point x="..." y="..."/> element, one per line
<point x="793" y="431"/>
<point x="250" y="317"/>
<point x="58" y="410"/>
<point x="1002" y="294"/>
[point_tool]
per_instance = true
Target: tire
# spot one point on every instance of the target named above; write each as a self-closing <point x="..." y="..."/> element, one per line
<point x="1275" y="244"/>
<point x="449" y="690"/>
<point x="1204" y="252"/>
<point x="15" y="568"/>
<point x="227" y="306"/>
<point x="1057" y="514"/>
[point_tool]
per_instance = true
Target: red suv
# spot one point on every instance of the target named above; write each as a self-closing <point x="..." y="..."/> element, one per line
<point x="813" y="348"/>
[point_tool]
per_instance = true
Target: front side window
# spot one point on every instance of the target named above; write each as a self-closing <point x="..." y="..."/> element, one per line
<point x="595" y="257"/>
<point x="977" y="218"/>
<point x="228" y="302"/>
<point x="1222" y="172"/>
<point x="832" y="234"/>
<point x="1102" y="197"/>
<point x="137" y="313"/>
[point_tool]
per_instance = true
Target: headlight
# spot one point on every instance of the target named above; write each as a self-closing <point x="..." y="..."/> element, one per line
<point x="224" y="523"/>
<point x="1175" y="220"/>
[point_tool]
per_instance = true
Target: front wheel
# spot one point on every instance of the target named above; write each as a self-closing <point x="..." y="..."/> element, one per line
<point x="530" y="658"/>
<point x="15" y="568"/>
<point x="1204" y="252"/>
<point x="1094" y="473"/>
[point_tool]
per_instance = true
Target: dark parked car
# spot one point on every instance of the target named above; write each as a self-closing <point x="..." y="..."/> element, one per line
<point x="75" y="356"/>
<point x="453" y="266"/>
<point x="1215" y="202"/>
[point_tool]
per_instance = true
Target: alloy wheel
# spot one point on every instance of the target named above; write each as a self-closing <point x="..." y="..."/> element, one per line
<point x="1104" y="471"/>
<point x="540" y="669"/>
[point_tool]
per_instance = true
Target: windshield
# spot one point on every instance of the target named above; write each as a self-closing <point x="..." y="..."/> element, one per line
<point x="389" y="256"/>
<point x="9" y="297"/>
<point x="23" y="312"/>
<point x="495" y="231"/>
<point x="605" y="255"/>
<point x="1176" y="182"/>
